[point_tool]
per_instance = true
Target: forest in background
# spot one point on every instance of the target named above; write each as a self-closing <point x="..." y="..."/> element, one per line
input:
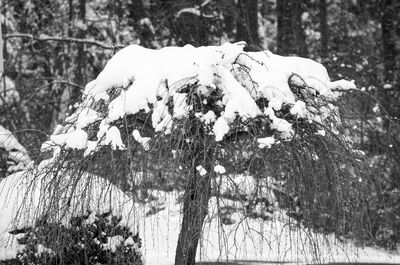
<point x="53" y="48"/>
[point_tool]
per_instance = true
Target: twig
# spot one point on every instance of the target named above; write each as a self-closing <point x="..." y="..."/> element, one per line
<point x="67" y="83"/>
<point x="63" y="39"/>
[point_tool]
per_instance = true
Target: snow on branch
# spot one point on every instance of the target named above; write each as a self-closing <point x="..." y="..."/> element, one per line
<point x="218" y="85"/>
<point x="64" y="39"/>
<point x="196" y="11"/>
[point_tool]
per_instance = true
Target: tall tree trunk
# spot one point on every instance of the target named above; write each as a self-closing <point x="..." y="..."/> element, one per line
<point x="228" y="11"/>
<point x="195" y="209"/>
<point x="390" y="8"/>
<point x="81" y="69"/>
<point x="291" y="37"/>
<point x="200" y="26"/>
<point x="137" y="12"/>
<point x="197" y="194"/>
<point x="323" y="24"/>
<point x="247" y="24"/>
<point x="284" y="34"/>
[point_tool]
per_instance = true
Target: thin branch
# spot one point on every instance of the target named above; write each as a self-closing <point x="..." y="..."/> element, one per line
<point x="67" y="83"/>
<point x="63" y="39"/>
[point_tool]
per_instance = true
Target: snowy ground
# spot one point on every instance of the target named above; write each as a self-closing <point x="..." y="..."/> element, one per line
<point x="252" y="241"/>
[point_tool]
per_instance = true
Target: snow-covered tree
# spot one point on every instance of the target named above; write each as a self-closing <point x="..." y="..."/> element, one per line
<point x="194" y="113"/>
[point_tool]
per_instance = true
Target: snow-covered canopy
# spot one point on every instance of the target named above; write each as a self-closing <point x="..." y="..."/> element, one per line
<point x="163" y="82"/>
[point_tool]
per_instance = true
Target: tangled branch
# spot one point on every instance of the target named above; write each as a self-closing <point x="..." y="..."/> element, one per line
<point x="63" y="39"/>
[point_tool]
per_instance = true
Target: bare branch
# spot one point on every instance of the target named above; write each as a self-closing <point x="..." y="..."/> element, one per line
<point x="63" y="39"/>
<point x="67" y="83"/>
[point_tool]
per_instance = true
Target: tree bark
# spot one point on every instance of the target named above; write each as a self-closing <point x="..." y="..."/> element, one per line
<point x="137" y="12"/>
<point x="81" y="69"/>
<point x="291" y="37"/>
<point x="195" y="209"/>
<point x="247" y="24"/>
<point x="323" y="28"/>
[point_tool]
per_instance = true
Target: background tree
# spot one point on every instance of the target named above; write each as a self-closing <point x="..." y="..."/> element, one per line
<point x="323" y="27"/>
<point x="290" y="32"/>
<point x="389" y="23"/>
<point x="247" y="22"/>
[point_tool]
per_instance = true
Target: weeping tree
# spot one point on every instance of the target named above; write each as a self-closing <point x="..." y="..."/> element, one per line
<point x="178" y="117"/>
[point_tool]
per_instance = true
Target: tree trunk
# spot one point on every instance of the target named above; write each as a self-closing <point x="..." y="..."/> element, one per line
<point x="137" y="12"/>
<point x="291" y="37"/>
<point x="228" y="11"/>
<point x="323" y="24"/>
<point x="81" y="69"/>
<point x="284" y="27"/>
<point x="247" y="24"/>
<point x="195" y="209"/>
<point x="389" y="52"/>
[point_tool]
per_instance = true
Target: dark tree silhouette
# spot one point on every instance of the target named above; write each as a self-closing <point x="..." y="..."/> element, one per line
<point x="247" y="22"/>
<point x="291" y="36"/>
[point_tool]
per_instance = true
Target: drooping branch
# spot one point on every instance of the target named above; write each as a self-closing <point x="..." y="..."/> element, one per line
<point x="64" y="39"/>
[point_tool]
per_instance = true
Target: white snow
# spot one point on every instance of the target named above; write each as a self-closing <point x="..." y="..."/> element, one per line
<point x="150" y="79"/>
<point x="75" y="139"/>
<point x="42" y="249"/>
<point x="299" y="109"/>
<point x="342" y="85"/>
<point x="282" y="125"/>
<point x="87" y="117"/>
<point x="321" y="132"/>
<point x="144" y="141"/>
<point x="113" y="243"/>
<point x="387" y="86"/>
<point x="91" y="147"/>
<point x="194" y="11"/>
<point x="219" y="169"/>
<point x="265" y="142"/>
<point x="249" y="240"/>
<point x="207" y="118"/>
<point x="275" y="103"/>
<point x="113" y="138"/>
<point x="147" y="22"/>
<point x="220" y="128"/>
<point x="202" y="171"/>
<point x="181" y="108"/>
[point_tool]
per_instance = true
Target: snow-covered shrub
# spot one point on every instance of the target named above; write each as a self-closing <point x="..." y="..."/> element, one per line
<point x="93" y="239"/>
